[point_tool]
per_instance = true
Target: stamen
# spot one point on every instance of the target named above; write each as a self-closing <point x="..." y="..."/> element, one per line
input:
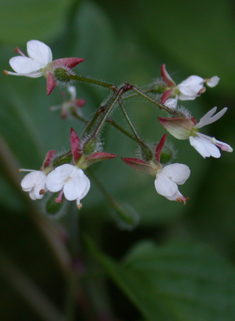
<point x="59" y="198"/>
<point x="20" y="52"/>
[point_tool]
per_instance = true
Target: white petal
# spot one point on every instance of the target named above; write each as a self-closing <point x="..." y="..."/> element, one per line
<point x="223" y="146"/>
<point x="77" y="186"/>
<point x="32" y="195"/>
<point x="58" y="177"/>
<point x="164" y="185"/>
<point x="31" y="179"/>
<point x="191" y="91"/>
<point x="204" y="147"/>
<point x="176" y="196"/>
<point x="35" y="74"/>
<point x="24" y="65"/>
<point x="171" y="103"/>
<point x="39" y="51"/>
<point x="179" y="173"/>
<point x="213" y="81"/>
<point x="192" y="81"/>
<point x="209" y="119"/>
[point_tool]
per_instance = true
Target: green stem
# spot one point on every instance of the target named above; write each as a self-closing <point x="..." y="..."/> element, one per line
<point x="130" y="123"/>
<point x="110" y="121"/>
<point x="154" y="88"/>
<point x="93" y="81"/>
<point x="92" y="122"/>
<point x="174" y="113"/>
<point x="109" y="109"/>
<point x="145" y="150"/>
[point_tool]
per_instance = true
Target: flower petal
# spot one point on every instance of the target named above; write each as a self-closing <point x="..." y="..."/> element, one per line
<point x="164" y="185"/>
<point x="171" y="103"/>
<point x="192" y="81"/>
<point x="209" y="119"/>
<point x="29" y="181"/>
<point x="190" y="92"/>
<point x="179" y="173"/>
<point x="24" y="65"/>
<point x="77" y="185"/>
<point x="204" y="147"/>
<point x="212" y="82"/>
<point x="58" y="177"/>
<point x="39" y="52"/>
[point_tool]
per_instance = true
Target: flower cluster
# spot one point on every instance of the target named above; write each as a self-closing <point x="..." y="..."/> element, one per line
<point x="59" y="175"/>
<point x="67" y="179"/>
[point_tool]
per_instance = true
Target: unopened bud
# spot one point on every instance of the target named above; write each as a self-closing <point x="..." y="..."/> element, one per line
<point x="126" y="217"/>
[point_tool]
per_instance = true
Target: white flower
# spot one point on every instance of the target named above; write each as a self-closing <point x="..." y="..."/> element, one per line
<point x="39" y="63"/>
<point x="190" y="88"/>
<point x="71" y="181"/>
<point x="168" y="178"/>
<point x="206" y="145"/>
<point x="34" y="183"/>
<point x="193" y="86"/>
<point x="40" y="56"/>
<point x="185" y="128"/>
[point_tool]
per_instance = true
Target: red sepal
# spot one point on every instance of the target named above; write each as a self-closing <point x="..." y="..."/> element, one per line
<point x="51" y="83"/>
<point x="98" y="157"/>
<point x="166" y="77"/>
<point x="75" y="144"/>
<point x="159" y="148"/>
<point x="49" y="156"/>
<point x="165" y="96"/>
<point x="139" y="165"/>
<point x="68" y="62"/>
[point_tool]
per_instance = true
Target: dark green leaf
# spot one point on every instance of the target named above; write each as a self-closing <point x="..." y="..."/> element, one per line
<point x="187" y="282"/>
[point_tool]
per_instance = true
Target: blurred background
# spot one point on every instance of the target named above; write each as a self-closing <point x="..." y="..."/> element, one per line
<point x="120" y="41"/>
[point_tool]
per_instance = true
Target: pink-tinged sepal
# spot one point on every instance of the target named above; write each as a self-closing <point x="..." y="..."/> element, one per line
<point x="165" y="96"/>
<point x="140" y="166"/>
<point x="51" y="83"/>
<point x="48" y="159"/>
<point x="159" y="148"/>
<point x="98" y="157"/>
<point x="166" y="77"/>
<point x="79" y="102"/>
<point x="68" y="62"/>
<point x="75" y="144"/>
<point x="178" y="127"/>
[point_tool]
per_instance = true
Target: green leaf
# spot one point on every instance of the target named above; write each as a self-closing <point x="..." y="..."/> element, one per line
<point x="22" y="20"/>
<point x="186" y="282"/>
